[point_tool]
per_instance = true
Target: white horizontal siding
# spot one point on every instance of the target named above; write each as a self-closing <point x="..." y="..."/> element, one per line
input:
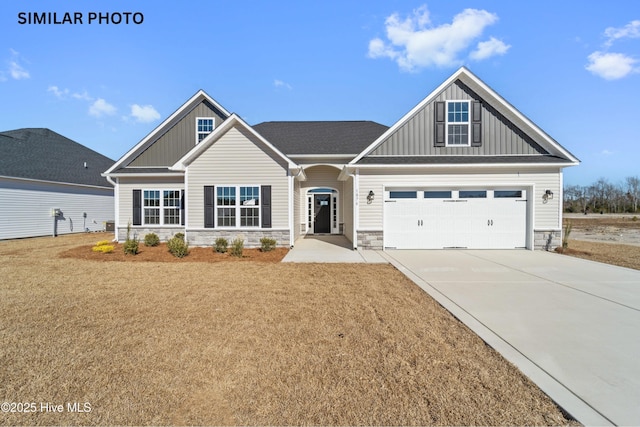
<point x="236" y="159"/>
<point x="546" y="215"/>
<point x="125" y="193"/>
<point x="26" y="208"/>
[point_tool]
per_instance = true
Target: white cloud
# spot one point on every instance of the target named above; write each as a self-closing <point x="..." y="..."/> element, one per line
<point x="414" y="42"/>
<point x="606" y="152"/>
<point x="280" y="83"/>
<point x="84" y="96"/>
<point x="144" y="113"/>
<point x="17" y="72"/>
<point x="14" y="69"/>
<point x="611" y="66"/>
<point x="57" y="92"/>
<point x="101" y="108"/>
<point x="631" y="30"/>
<point x="490" y="48"/>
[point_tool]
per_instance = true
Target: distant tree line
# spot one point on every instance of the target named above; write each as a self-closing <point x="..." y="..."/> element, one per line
<point x="603" y="197"/>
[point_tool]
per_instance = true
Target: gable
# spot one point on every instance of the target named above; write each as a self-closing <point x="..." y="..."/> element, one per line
<point x="178" y="139"/>
<point x="494" y="128"/>
<point x="499" y="136"/>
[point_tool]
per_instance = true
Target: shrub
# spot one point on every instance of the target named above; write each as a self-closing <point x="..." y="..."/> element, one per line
<point x="104" y="248"/>
<point x="130" y="246"/>
<point x="237" y="246"/>
<point x="103" y="243"/>
<point x="177" y="246"/>
<point x="635" y="218"/>
<point x="151" y="239"/>
<point x="221" y="245"/>
<point x="267" y="244"/>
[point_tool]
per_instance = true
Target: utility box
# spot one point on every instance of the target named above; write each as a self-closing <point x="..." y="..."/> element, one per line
<point x="110" y="226"/>
<point x="56" y="212"/>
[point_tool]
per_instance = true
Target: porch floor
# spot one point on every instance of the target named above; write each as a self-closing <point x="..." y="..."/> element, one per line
<point x="329" y="249"/>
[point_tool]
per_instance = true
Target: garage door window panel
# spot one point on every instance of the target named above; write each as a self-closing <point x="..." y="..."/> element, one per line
<point x="437" y="194"/>
<point x="472" y="194"/>
<point x="403" y="194"/>
<point x="507" y="194"/>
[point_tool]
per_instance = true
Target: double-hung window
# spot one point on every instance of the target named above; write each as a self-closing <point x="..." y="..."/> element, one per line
<point x="151" y="203"/>
<point x="171" y="206"/>
<point x="238" y="206"/>
<point x="204" y="126"/>
<point x="161" y="207"/>
<point x="457" y="123"/>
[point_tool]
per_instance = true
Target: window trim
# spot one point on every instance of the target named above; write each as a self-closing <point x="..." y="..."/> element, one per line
<point x="467" y="123"/>
<point x="237" y="207"/>
<point x="204" y="134"/>
<point x="161" y="207"/>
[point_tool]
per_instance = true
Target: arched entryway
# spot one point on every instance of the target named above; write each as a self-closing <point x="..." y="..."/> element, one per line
<point x="323" y="210"/>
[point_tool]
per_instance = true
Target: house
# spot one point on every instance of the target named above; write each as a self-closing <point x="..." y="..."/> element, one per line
<point x="462" y="169"/>
<point x="51" y="185"/>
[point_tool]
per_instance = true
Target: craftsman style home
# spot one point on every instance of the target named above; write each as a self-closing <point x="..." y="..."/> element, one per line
<point x="463" y="169"/>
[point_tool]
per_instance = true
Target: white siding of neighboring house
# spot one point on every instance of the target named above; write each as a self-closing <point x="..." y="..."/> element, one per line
<point x="237" y="160"/>
<point x="546" y="215"/>
<point x="26" y="208"/>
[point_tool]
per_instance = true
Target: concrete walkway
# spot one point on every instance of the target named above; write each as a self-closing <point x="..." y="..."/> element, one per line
<point x="571" y="325"/>
<point x="329" y="249"/>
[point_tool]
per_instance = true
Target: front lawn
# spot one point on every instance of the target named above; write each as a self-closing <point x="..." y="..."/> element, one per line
<point x="242" y="343"/>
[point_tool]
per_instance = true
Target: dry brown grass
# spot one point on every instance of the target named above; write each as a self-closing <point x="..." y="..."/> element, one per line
<point x="609" y="253"/>
<point x="242" y="344"/>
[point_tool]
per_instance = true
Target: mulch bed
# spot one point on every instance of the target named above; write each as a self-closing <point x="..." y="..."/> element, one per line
<point x="160" y="253"/>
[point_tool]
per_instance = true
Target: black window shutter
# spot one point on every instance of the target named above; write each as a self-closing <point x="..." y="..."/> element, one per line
<point x="440" y="123"/>
<point x="209" y="202"/>
<point x="476" y="124"/>
<point x="182" y="210"/>
<point x="137" y="207"/>
<point x="265" y="195"/>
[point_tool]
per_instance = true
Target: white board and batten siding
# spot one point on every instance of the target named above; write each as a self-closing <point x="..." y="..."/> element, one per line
<point x="237" y="158"/>
<point x="26" y="208"/>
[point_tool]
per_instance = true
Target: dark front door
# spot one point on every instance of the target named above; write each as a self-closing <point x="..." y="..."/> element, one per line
<point x="322" y="213"/>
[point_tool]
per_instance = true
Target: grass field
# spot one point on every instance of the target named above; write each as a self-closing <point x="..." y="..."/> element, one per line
<point x="242" y="343"/>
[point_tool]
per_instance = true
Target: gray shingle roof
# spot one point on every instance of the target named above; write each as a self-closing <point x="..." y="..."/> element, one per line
<point x="338" y="137"/>
<point x="444" y="160"/>
<point x="42" y="154"/>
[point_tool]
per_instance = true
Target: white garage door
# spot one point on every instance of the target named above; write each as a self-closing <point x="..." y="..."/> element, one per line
<point x="473" y="218"/>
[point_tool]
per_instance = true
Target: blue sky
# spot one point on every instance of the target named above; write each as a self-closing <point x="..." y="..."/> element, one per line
<point x="574" y="71"/>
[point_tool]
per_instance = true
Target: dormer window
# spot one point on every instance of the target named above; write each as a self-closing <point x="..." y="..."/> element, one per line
<point x="457" y="123"/>
<point x="204" y="126"/>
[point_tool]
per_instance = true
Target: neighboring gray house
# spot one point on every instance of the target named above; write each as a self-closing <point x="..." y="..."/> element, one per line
<point x="50" y="185"/>
<point x="462" y="169"/>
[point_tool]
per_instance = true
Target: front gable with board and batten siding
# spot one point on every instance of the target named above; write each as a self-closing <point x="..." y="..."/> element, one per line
<point x="495" y="131"/>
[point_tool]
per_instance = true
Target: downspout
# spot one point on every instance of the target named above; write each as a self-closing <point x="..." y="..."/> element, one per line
<point x="116" y="202"/>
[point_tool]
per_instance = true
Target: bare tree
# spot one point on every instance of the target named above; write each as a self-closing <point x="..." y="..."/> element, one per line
<point x="633" y="191"/>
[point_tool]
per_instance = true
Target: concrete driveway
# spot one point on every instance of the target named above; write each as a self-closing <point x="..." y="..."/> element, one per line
<point x="571" y="325"/>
